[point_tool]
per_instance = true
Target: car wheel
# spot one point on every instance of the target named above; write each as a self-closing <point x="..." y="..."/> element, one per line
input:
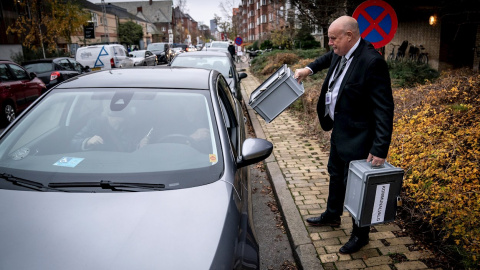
<point x="8" y="113"/>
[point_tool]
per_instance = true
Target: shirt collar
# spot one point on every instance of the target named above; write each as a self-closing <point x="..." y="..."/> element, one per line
<point x="350" y="52"/>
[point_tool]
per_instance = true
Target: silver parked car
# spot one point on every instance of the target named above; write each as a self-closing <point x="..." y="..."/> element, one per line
<point x="143" y="58"/>
<point x="217" y="60"/>
<point x="130" y="169"/>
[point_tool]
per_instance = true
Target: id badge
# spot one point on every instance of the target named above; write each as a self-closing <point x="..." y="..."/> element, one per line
<point x="328" y="98"/>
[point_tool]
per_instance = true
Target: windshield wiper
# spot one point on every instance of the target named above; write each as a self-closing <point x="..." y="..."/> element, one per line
<point x="25" y="183"/>
<point x="114" y="186"/>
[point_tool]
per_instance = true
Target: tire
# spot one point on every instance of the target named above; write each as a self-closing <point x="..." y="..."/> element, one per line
<point x="423" y="59"/>
<point x="8" y="113"/>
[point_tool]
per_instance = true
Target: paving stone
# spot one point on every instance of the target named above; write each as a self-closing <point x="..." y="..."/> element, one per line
<point x="332" y="234"/>
<point x="400" y="241"/>
<point x="355" y="264"/>
<point x="411" y="265"/>
<point x="379" y="260"/>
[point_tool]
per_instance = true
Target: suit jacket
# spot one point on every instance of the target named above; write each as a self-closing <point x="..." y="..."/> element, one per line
<point x="364" y="109"/>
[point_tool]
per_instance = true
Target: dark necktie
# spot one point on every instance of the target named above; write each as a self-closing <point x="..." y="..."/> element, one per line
<point x="339" y="71"/>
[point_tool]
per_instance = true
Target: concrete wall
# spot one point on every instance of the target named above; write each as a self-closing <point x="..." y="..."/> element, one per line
<point x="419" y="33"/>
<point x="476" y="59"/>
<point x="8" y="50"/>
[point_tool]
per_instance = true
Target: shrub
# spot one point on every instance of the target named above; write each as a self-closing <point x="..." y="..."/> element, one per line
<point x="266" y="44"/>
<point x="436" y="140"/>
<point x="408" y="73"/>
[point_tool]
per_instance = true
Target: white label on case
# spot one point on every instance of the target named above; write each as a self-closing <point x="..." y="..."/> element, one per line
<point x="380" y="204"/>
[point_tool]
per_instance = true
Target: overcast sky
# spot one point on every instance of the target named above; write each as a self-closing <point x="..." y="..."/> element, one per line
<point x="200" y="10"/>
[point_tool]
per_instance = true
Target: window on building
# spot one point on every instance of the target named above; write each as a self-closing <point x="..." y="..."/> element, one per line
<point x="94" y="19"/>
<point x="264" y="18"/>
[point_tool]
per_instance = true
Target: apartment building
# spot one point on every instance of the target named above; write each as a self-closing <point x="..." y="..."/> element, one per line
<point x="257" y="19"/>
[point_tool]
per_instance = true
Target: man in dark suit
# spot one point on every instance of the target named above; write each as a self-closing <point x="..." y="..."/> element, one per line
<point x="356" y="102"/>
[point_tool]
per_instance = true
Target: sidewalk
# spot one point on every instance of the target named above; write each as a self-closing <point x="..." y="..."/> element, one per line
<point x="298" y="171"/>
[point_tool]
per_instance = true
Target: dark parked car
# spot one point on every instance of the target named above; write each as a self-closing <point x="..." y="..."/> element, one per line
<point x="55" y="70"/>
<point x="130" y="169"/>
<point x="219" y="61"/>
<point x="18" y="89"/>
<point x="162" y="51"/>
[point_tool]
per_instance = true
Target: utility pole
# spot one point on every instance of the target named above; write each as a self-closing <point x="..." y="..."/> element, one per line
<point x="105" y="22"/>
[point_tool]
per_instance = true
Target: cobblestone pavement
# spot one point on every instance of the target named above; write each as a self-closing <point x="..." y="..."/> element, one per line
<point x="298" y="171"/>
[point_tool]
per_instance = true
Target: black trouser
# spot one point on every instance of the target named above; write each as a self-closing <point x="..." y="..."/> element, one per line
<point x="338" y="170"/>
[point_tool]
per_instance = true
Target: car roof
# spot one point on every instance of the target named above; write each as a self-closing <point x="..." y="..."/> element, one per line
<point x="46" y="60"/>
<point x="201" y="53"/>
<point x="143" y="77"/>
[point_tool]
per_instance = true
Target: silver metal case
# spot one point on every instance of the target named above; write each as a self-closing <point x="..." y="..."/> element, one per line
<point x="371" y="195"/>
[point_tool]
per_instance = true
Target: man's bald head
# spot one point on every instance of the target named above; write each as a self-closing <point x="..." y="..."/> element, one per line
<point x="343" y="33"/>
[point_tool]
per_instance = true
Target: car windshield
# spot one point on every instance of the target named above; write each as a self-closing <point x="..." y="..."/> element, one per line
<point x="221" y="64"/>
<point x="219" y="45"/>
<point x="156" y="47"/>
<point x="136" y="136"/>
<point x="39" y="67"/>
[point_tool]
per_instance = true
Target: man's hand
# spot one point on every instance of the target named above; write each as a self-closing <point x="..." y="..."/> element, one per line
<point x="301" y="74"/>
<point x="200" y="134"/>
<point x="94" y="140"/>
<point x="376" y="161"/>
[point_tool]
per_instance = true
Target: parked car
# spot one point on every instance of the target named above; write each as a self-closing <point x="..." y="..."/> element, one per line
<point x="18" y="89"/>
<point x="100" y="57"/>
<point x="176" y="51"/>
<point x="217" y="60"/>
<point x="180" y="45"/>
<point x="176" y="195"/>
<point x="143" y="58"/>
<point x="162" y="51"/>
<point x="55" y="70"/>
<point x="191" y="48"/>
<point x="219" y="46"/>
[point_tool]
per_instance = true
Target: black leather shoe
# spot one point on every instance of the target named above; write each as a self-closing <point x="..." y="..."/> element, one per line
<point x="353" y="245"/>
<point x="323" y="221"/>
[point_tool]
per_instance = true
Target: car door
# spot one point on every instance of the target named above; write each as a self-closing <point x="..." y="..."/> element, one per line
<point x="22" y="87"/>
<point x="235" y="128"/>
<point x="68" y="71"/>
<point x="149" y="59"/>
<point x="10" y="87"/>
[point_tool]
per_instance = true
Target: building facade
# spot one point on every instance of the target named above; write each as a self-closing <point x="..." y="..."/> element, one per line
<point x="257" y="19"/>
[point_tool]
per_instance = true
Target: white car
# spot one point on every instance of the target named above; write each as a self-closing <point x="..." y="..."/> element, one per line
<point x="101" y="57"/>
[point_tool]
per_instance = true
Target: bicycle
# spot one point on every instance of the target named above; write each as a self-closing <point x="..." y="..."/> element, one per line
<point x="422" y="56"/>
<point x="413" y="53"/>
<point x="392" y="56"/>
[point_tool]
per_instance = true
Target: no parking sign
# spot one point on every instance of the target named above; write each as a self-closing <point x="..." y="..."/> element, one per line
<point x="377" y="22"/>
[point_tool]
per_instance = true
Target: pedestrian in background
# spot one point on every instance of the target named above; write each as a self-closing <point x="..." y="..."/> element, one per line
<point x="356" y="103"/>
<point x="231" y="50"/>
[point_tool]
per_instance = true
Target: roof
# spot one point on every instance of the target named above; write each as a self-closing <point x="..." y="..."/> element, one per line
<point x="143" y="77"/>
<point x="205" y="53"/>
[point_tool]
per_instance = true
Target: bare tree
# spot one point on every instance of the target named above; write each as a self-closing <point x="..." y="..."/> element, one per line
<point x="321" y="12"/>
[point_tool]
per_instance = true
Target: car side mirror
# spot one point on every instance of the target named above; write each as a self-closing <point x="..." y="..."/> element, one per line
<point x="32" y="75"/>
<point x="242" y="76"/>
<point x="254" y="150"/>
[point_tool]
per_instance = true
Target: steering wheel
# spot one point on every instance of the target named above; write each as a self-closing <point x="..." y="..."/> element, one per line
<point x="176" y="138"/>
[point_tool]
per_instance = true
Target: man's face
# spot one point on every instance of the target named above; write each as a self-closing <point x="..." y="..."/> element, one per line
<point x="338" y="40"/>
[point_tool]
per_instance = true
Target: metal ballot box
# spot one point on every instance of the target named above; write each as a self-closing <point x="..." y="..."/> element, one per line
<point x="371" y="196"/>
<point x="275" y="94"/>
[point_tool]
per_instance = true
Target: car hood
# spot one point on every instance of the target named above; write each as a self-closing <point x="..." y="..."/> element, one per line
<point x="177" y="229"/>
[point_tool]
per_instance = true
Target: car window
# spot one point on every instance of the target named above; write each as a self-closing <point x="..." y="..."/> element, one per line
<point x="76" y="65"/>
<point x="229" y="113"/>
<point x="156" y="47"/>
<point x="65" y="64"/>
<point x="5" y="73"/>
<point x="221" y="64"/>
<point x="182" y="150"/>
<point x="39" y="67"/>
<point x="19" y="72"/>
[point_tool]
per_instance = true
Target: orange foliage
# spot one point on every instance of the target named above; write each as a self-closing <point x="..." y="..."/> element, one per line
<point x="437" y="141"/>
